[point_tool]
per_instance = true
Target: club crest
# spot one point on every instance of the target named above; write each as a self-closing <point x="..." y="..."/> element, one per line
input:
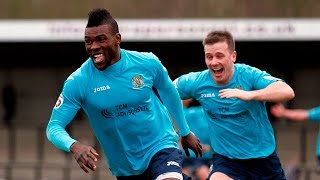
<point x="137" y="82"/>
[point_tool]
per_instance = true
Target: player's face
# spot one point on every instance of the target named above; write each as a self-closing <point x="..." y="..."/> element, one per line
<point x="220" y="61"/>
<point x="102" y="45"/>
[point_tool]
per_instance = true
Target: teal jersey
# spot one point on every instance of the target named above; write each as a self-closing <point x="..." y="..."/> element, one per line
<point x="127" y="117"/>
<point x="314" y="115"/>
<point x="238" y="129"/>
<point x="198" y="123"/>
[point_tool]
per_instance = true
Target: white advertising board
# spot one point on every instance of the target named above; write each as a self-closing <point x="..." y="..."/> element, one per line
<point x="164" y="29"/>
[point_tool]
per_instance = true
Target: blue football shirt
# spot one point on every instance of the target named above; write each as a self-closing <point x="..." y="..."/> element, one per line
<point x="314" y="115"/>
<point x="238" y="129"/>
<point x="198" y="123"/>
<point x="127" y="117"/>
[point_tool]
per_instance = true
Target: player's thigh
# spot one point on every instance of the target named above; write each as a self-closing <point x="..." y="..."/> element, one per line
<point x="219" y="176"/>
<point x="202" y="172"/>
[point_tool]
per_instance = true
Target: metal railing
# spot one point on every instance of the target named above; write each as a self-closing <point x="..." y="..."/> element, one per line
<point x="9" y="139"/>
<point x="37" y="168"/>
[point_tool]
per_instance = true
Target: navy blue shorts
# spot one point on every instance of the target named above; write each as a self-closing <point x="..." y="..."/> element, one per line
<point x="166" y="160"/>
<point x="257" y="168"/>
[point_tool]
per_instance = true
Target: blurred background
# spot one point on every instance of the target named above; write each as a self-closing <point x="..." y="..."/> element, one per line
<point x="41" y="43"/>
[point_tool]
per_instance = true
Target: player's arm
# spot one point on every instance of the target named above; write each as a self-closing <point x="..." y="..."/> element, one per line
<point x="63" y="113"/>
<point x="280" y="111"/>
<point x="171" y="99"/>
<point x="264" y="88"/>
<point x="276" y="92"/>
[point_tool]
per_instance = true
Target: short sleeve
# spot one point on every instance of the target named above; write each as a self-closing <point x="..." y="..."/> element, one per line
<point x="261" y="79"/>
<point x="185" y="85"/>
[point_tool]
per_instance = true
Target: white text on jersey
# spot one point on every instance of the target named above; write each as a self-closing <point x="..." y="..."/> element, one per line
<point x="208" y="95"/>
<point x="102" y="88"/>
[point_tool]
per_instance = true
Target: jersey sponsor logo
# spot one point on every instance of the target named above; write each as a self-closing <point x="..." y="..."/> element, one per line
<point x="123" y="110"/>
<point x="172" y="163"/>
<point x="105" y="113"/>
<point x="137" y="81"/>
<point x="59" y="102"/>
<point x="207" y="95"/>
<point x="211" y="115"/>
<point x="238" y="115"/>
<point x="132" y="111"/>
<point x="224" y="110"/>
<point x="102" y="88"/>
<point x="216" y="116"/>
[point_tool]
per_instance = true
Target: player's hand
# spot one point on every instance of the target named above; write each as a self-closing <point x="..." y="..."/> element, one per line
<point x="206" y="148"/>
<point x="192" y="142"/>
<point x="86" y="156"/>
<point x="235" y="93"/>
<point x="277" y="110"/>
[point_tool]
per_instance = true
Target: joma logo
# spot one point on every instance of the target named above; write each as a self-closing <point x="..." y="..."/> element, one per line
<point x="173" y="163"/>
<point x="208" y="95"/>
<point x="102" y="88"/>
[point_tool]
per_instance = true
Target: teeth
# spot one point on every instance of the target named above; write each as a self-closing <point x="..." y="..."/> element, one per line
<point x="97" y="55"/>
<point x="98" y="58"/>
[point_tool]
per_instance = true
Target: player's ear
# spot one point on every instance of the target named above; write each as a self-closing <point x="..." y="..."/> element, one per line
<point x="118" y="38"/>
<point x="234" y="56"/>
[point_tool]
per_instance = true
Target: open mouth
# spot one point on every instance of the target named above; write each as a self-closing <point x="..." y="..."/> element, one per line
<point x="217" y="70"/>
<point x="98" y="58"/>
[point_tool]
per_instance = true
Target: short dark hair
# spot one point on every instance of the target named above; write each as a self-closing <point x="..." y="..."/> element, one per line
<point x="102" y="16"/>
<point x="220" y="36"/>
